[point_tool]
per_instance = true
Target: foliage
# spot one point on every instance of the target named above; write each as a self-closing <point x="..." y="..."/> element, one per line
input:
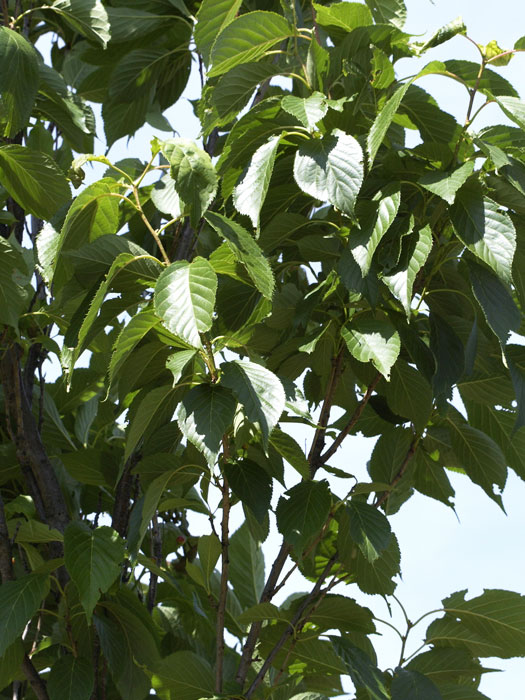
<point x="306" y="263"/>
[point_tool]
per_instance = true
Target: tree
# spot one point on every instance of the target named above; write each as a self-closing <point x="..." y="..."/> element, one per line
<point x="304" y="264"/>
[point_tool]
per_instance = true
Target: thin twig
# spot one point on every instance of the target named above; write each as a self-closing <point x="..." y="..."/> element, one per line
<point x="156" y="552"/>
<point x="223" y="594"/>
<point x="353" y="420"/>
<point x="314" y="457"/>
<point x="291" y="628"/>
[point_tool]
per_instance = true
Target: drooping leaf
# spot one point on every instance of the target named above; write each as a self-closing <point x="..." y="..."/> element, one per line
<point x="448" y="31"/>
<point x="370" y="340"/>
<point x="206" y="412"/>
<point x="487" y="231"/>
<point x="19" y="601"/>
<point x="369" y="528"/>
<point x="19" y="84"/>
<point x="449" y="355"/>
<point x="213" y="16"/>
<point x="388" y="11"/>
<point x="288" y="448"/>
<point x="246" y="566"/>
<point x="513" y="108"/>
<point x="246" y="251"/>
<point x="401" y="281"/>
<point x="130" y="336"/>
<point x="93" y="559"/>
<point x="234" y="88"/>
<point x="186" y="675"/>
<point x="33" y="179"/>
<point x="331" y="169"/>
<point x="376" y="222"/>
<point x="185" y="299"/>
<point x="157" y="404"/>
<point x="71" y="678"/>
<point x="247" y="38"/>
<point x="258" y="390"/>
<point x="362" y="671"/>
<point x="412" y="685"/>
<point x="446" y="184"/>
<point x="480" y="456"/>
<point x="251" y="484"/>
<point x="383" y="121"/>
<point x="250" y="193"/>
<point x="194" y="175"/>
<point x="177" y="362"/>
<point x="13" y="296"/>
<point x="88" y="17"/>
<point x="209" y="550"/>
<point x="302" y="512"/>
<point x="309" y="110"/>
<point x="409" y="394"/>
<point x="497" y="304"/>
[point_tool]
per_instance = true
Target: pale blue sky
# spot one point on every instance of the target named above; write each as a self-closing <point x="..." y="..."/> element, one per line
<point x="440" y="554"/>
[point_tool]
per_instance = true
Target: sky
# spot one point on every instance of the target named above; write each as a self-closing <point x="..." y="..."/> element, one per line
<point x="443" y="551"/>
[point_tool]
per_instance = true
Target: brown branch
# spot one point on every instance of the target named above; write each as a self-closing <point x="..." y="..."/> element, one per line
<point x="314" y="456"/>
<point x="402" y="469"/>
<point x="223" y="593"/>
<point x="37" y="684"/>
<point x="156" y="552"/>
<point x="352" y="422"/>
<point x="5" y="13"/>
<point x="291" y="628"/>
<point x="121" y="509"/>
<point x="41" y="479"/>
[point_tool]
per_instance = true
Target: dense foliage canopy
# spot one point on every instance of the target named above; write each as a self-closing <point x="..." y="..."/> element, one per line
<point x="308" y="262"/>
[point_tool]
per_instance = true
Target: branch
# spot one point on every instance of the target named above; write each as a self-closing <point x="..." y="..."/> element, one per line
<point x="353" y="420"/>
<point x="290" y="630"/>
<point x="223" y="594"/>
<point x="120" y="516"/>
<point x="156" y="552"/>
<point x="37" y="684"/>
<point x="402" y="469"/>
<point x="314" y="457"/>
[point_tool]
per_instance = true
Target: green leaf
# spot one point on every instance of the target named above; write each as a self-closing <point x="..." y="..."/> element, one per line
<point x="34" y="180"/>
<point x="388" y="12"/>
<point x="129" y="23"/>
<point x="410" y="395"/>
<point x="362" y="671"/>
<point x="340" y="612"/>
<point x="445" y="33"/>
<point x="209" y="550"/>
<point x="194" y="175"/>
<point x="125" y="118"/>
<point x="132" y="333"/>
<point x="164" y="196"/>
<point x="369" y="528"/>
<point x="495" y="615"/>
<point x="205" y="414"/>
<point x="234" y="88"/>
<point x="13" y="295"/>
<point x="331" y="169"/>
<point x="93" y="559"/>
<point x="10" y="663"/>
<point x="246" y="566"/>
<point x="177" y="362"/>
<point x="19" y="601"/>
<point x="480" y="456"/>
<point x="259" y="612"/>
<point x="449" y="356"/>
<point x="246" y="251"/>
<point x="117" y="643"/>
<point x="19" y="84"/>
<point x="302" y="511"/>
<point x="71" y="678"/>
<point x="250" y="193"/>
<point x="370" y="340"/>
<point x="185" y="299"/>
<point x="156" y="405"/>
<point x="448" y="631"/>
<point x="484" y="229"/>
<point x="258" y="390"/>
<point x="343" y="17"/>
<point x="497" y="304"/>
<point x="401" y="281"/>
<point x="247" y="38"/>
<point x="383" y="121"/>
<point x="288" y="448"/>
<point x="446" y="184"/>
<point x="251" y="484"/>
<point x="213" y="16"/>
<point x="374" y="577"/>
<point x="185" y="675"/>
<point x="373" y="225"/>
<point x="87" y="17"/>
<point x="412" y="685"/>
<point x="308" y="110"/>
<point x="448" y="665"/>
<point x="514" y="109"/>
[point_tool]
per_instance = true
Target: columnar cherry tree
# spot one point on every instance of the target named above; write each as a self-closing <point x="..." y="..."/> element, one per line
<point x="302" y="263"/>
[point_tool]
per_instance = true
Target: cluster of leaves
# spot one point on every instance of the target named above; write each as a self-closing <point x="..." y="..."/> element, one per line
<point x="306" y="261"/>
